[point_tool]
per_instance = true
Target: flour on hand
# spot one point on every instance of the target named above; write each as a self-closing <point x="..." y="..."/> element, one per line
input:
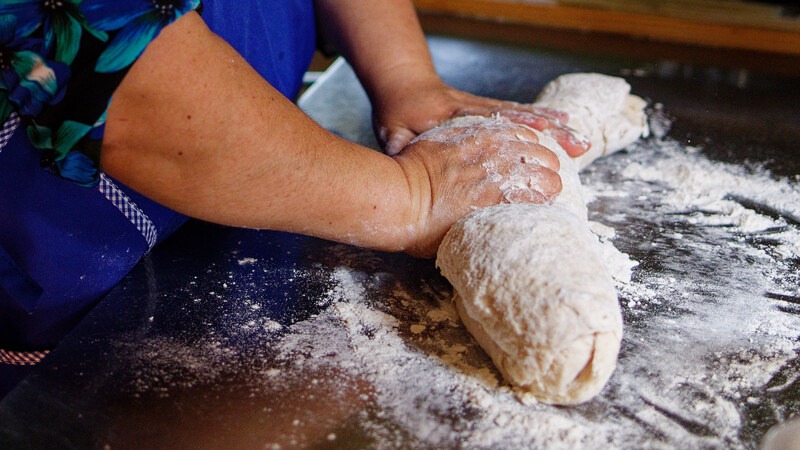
<point x="530" y="283"/>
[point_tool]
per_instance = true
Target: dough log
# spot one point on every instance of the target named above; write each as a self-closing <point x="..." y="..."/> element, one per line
<point x="529" y="281"/>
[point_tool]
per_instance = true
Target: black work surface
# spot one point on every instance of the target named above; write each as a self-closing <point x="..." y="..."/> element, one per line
<point x="181" y="353"/>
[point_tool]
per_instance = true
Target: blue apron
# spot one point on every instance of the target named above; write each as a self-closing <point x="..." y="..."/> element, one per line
<point x="63" y="246"/>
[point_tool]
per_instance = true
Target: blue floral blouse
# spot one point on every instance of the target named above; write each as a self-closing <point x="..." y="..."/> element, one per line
<point x="60" y="62"/>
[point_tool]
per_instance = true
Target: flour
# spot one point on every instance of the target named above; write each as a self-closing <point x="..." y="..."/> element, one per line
<point x="709" y="358"/>
<point x="423" y="383"/>
<point x="710" y="191"/>
<point x="700" y="360"/>
<point x="619" y="265"/>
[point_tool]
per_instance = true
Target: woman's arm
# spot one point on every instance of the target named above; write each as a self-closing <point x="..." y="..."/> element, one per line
<point x="384" y="42"/>
<point x="193" y="127"/>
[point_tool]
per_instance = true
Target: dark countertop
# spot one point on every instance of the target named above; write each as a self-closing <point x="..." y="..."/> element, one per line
<point x="234" y="338"/>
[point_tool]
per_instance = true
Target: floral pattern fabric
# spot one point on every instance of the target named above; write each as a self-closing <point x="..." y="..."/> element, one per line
<point x="60" y="62"/>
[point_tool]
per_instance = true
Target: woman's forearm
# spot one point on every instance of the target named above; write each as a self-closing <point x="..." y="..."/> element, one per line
<point x="381" y="39"/>
<point x="193" y="127"/>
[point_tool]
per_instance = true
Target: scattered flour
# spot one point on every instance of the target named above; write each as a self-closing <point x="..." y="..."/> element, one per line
<point x="709" y="356"/>
<point x="719" y="194"/>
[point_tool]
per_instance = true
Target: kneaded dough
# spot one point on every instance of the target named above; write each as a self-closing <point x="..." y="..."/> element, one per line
<point x="529" y="280"/>
<point x="541" y="305"/>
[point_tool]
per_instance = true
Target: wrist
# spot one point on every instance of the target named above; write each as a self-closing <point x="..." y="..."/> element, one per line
<point x="402" y="82"/>
<point x="387" y="209"/>
<point x="416" y="240"/>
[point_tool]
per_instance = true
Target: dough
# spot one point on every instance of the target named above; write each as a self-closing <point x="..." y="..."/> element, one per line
<point x="601" y="108"/>
<point x="541" y="305"/>
<point x="529" y="281"/>
<point x="783" y="436"/>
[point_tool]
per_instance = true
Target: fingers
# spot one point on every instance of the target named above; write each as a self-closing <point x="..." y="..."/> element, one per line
<point x="529" y="175"/>
<point x="529" y="152"/>
<point x="575" y="145"/>
<point x="518" y="142"/>
<point x="394" y="138"/>
<point x="393" y="141"/>
<point x="508" y="156"/>
<point x="559" y="116"/>
<point x="541" y="187"/>
<point x="549" y="121"/>
<point x="543" y="119"/>
<point x="534" y="120"/>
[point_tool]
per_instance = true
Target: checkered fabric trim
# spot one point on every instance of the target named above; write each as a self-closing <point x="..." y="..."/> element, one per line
<point x="21" y="358"/>
<point x="8" y="129"/>
<point x="107" y="187"/>
<point x="129" y="209"/>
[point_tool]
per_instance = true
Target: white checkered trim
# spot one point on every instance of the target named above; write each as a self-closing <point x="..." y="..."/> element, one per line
<point x="21" y="358"/>
<point x="129" y="209"/>
<point x="9" y="127"/>
<point x="107" y="187"/>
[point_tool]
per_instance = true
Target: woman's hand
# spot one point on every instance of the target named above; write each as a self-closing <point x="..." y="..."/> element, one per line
<point x="468" y="164"/>
<point x="416" y="106"/>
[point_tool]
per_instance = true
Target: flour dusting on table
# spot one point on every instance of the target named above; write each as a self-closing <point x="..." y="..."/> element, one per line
<point x="705" y="355"/>
<point x="710" y="349"/>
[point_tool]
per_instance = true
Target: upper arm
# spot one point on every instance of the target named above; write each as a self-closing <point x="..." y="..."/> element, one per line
<point x="186" y="102"/>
